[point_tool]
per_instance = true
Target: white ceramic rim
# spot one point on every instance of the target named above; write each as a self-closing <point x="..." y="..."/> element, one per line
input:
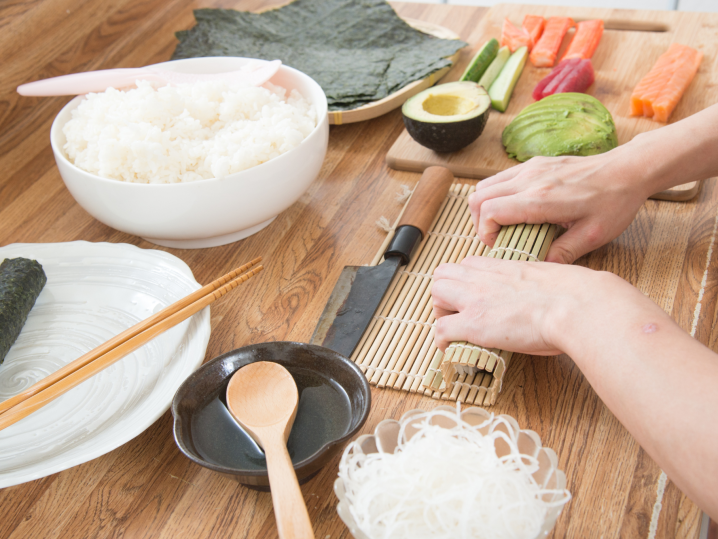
<point x="322" y="117"/>
<point x="199" y="323"/>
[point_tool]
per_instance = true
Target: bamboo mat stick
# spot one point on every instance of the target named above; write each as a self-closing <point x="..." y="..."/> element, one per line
<point x="401" y="354"/>
<point x="373" y="328"/>
<point x="70" y="381"/>
<point x="409" y="289"/>
<point x="123" y="337"/>
<point x="418" y="311"/>
<point x="410" y="330"/>
<point x="496" y="384"/>
<point x="361" y="352"/>
<point x="412" y="377"/>
<point x="427" y="351"/>
<point x="398" y="350"/>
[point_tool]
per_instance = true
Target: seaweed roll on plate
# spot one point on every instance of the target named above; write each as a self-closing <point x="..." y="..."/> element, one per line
<point x="21" y="281"/>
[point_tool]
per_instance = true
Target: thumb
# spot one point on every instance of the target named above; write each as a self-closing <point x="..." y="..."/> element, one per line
<point x="574" y="243"/>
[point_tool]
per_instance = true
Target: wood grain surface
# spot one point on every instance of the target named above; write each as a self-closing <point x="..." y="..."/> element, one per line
<point x="631" y="43"/>
<point x="147" y="488"/>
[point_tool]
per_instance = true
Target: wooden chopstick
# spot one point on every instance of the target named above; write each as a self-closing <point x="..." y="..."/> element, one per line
<point x="39" y="400"/>
<point x="123" y="337"/>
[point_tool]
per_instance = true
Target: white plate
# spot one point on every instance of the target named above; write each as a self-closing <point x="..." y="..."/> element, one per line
<point x="93" y="292"/>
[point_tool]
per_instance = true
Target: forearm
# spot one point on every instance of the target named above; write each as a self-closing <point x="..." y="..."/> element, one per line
<point x="675" y="154"/>
<point x="658" y="381"/>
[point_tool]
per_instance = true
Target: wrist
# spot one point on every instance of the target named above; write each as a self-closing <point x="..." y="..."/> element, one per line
<point x="599" y="305"/>
<point x="637" y="168"/>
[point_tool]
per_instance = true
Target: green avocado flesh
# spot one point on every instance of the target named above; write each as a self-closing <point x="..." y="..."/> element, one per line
<point x="447" y="117"/>
<point x="21" y="281"/>
<point x="561" y="124"/>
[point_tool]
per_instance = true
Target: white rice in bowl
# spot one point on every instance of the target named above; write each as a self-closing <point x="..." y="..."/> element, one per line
<point x="186" y="132"/>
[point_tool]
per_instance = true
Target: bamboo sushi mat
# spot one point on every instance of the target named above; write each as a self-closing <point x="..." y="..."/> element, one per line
<point x="397" y="350"/>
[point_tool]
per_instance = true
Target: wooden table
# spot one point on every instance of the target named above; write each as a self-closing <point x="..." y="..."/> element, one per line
<point x="146" y="488"/>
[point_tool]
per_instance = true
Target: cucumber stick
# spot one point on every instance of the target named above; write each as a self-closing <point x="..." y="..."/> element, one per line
<point x="481" y="61"/>
<point x="502" y="88"/>
<point x="495" y="68"/>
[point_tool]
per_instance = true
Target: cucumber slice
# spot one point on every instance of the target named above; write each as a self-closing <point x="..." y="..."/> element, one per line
<point x="481" y="61"/>
<point x="502" y="88"/>
<point x="495" y="68"/>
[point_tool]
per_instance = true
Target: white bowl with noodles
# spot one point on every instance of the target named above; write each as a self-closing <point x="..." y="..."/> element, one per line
<point x="548" y="478"/>
<point x="209" y="212"/>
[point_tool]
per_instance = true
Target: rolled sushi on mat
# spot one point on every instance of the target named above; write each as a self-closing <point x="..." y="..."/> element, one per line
<point x="21" y="281"/>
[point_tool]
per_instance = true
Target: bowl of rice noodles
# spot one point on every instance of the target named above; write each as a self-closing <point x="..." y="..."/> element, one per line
<point x="449" y="473"/>
<point x="193" y="165"/>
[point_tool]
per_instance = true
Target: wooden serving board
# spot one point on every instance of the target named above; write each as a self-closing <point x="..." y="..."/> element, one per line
<point x="631" y="43"/>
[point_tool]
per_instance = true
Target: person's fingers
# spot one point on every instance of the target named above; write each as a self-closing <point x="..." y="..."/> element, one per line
<point x="502" y="176"/>
<point x="575" y="242"/>
<point x="439" y="312"/>
<point x="450" y="329"/>
<point x="478" y="199"/>
<point x="453" y="272"/>
<point x="485" y="263"/>
<point x="449" y="295"/>
<point x="507" y="210"/>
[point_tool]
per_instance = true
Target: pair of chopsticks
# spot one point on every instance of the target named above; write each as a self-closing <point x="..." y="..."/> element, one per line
<point x="49" y="388"/>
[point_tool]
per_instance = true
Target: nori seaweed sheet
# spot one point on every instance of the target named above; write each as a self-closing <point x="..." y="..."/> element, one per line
<point x="21" y="281"/>
<point x="358" y="51"/>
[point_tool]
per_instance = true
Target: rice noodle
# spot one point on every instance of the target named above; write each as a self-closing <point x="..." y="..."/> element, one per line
<point x="447" y="483"/>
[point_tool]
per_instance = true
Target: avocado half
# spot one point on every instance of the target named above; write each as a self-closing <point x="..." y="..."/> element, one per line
<point x="447" y="117"/>
<point x="561" y="124"/>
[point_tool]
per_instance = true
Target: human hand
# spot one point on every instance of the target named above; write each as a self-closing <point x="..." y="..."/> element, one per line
<point x="594" y="197"/>
<point x="527" y="307"/>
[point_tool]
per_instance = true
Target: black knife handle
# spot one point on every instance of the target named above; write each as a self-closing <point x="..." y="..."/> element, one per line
<point x="405" y="240"/>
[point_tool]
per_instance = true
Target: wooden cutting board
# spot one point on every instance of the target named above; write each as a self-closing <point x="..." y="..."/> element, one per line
<point x="631" y="43"/>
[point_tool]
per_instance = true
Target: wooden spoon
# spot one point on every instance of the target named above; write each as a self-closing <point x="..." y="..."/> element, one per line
<point x="263" y="398"/>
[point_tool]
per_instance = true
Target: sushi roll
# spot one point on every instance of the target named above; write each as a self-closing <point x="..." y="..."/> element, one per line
<point x="21" y="281"/>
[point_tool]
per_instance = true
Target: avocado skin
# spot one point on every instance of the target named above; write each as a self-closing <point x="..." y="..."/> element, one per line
<point x="446" y="136"/>
<point x="561" y="124"/>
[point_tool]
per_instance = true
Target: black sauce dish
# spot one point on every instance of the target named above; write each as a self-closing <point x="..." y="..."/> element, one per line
<point x="334" y="402"/>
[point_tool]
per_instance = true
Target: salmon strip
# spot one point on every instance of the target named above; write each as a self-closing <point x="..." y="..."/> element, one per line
<point x="513" y="37"/>
<point x="546" y="49"/>
<point x="672" y="92"/>
<point x="652" y="84"/>
<point x="533" y="25"/>
<point x="653" y="79"/>
<point x="585" y="40"/>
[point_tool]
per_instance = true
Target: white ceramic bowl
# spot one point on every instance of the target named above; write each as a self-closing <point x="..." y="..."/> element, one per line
<point x="203" y="213"/>
<point x="386" y="439"/>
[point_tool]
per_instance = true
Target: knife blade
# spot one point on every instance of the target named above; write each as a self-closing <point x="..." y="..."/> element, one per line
<point x="360" y="289"/>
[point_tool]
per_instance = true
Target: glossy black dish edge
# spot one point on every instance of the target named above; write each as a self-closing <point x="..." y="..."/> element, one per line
<point x="205" y="383"/>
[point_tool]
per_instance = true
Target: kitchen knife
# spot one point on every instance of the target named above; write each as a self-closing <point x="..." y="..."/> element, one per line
<point x="359" y="289"/>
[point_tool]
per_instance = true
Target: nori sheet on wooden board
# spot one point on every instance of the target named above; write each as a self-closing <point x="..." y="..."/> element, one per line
<point x="21" y="281"/>
<point x="358" y="51"/>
